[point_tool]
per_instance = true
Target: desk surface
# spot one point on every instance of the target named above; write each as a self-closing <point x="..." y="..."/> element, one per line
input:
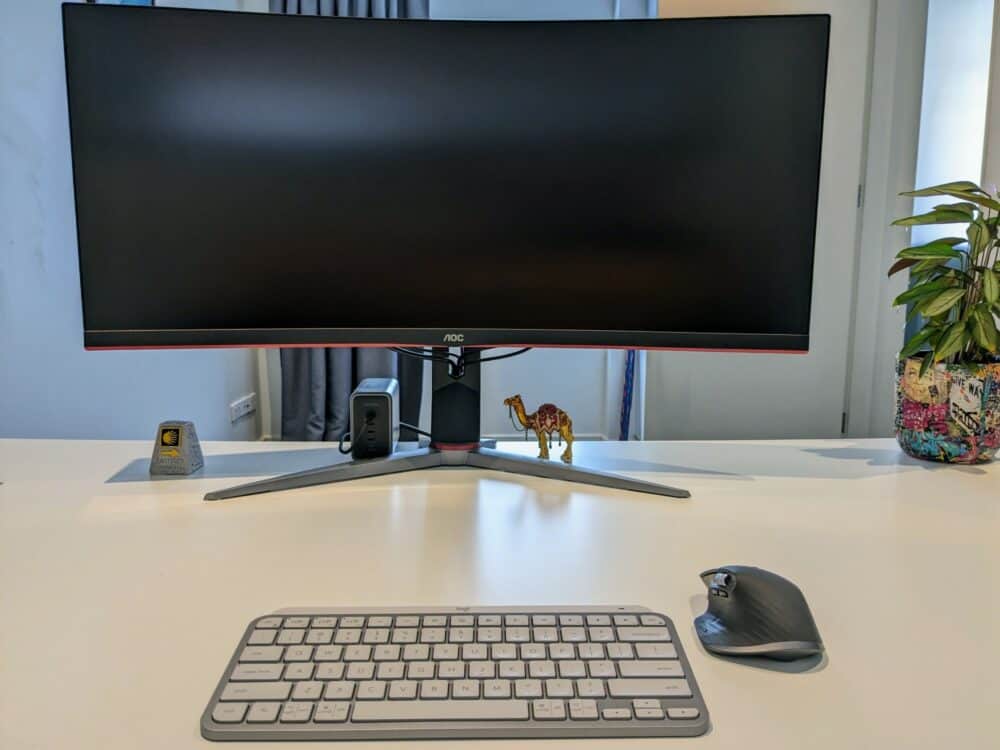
<point x="121" y="600"/>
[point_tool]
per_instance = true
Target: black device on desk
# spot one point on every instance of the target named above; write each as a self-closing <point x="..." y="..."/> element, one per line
<point x="473" y="185"/>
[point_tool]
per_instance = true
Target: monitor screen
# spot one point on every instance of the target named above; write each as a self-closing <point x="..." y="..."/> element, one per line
<point x="254" y="179"/>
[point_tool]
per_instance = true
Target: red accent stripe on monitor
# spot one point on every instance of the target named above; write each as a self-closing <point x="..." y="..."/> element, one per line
<point x="477" y="346"/>
<point x="455" y="446"/>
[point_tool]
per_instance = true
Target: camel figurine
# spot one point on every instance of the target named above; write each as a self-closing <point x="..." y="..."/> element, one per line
<point x="547" y="420"/>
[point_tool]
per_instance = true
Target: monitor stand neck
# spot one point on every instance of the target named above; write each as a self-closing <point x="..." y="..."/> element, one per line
<point x="455" y="442"/>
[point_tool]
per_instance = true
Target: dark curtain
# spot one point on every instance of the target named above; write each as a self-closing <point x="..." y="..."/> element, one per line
<point x="316" y="384"/>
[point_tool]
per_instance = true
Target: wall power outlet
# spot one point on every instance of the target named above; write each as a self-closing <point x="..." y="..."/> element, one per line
<point x="242" y="407"/>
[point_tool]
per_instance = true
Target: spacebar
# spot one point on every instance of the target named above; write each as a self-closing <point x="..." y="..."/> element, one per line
<point x="439" y="710"/>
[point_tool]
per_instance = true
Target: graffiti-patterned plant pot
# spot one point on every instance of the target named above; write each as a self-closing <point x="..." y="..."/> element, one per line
<point x="951" y="414"/>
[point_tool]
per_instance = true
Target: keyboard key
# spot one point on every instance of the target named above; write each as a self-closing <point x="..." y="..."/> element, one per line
<point x="435" y="621"/>
<point x="298" y="653"/>
<point x="532" y="651"/>
<point x="570" y="620"/>
<point x="601" y="668"/>
<point x="357" y="653"/>
<point x="376" y="635"/>
<point x="598" y="620"/>
<point x="444" y="652"/>
<point x="489" y="621"/>
<point x="573" y="635"/>
<point x="331" y="711"/>
<point x="496" y="689"/>
<point x="461" y="635"/>
<point x="489" y="635"/>
<point x="404" y="635"/>
<point x="442" y="710"/>
<point x="307" y="691"/>
<point x="559" y="688"/>
<point x="371" y="690"/>
<point x="290" y="637"/>
<point x="649" y="713"/>
<point x="475" y="651"/>
<point x="262" y="637"/>
<point x="407" y="621"/>
<point x="626" y="620"/>
<point x="583" y="709"/>
<point x="590" y="688"/>
<point x="572" y="669"/>
<point x="543" y="620"/>
<point x="432" y="635"/>
<point x="616" y="714"/>
<point x="299" y="671"/>
<point x="514" y="621"/>
<point x="330" y="671"/>
<point x="643" y="634"/>
<point x="528" y="689"/>
<point x="261" y="653"/>
<point x="416" y="652"/>
<point x="451" y="670"/>
<point x="256" y="672"/>
<point x="229" y="713"/>
<point x="296" y="713"/>
<point x="622" y="650"/>
<point x="328" y="653"/>
<point x="655" y="651"/>
<point x="629" y="688"/>
<point x="502" y="651"/>
<point x="482" y="670"/>
<point x="324" y="622"/>
<point x="591" y="651"/>
<point x="562" y="651"/>
<point x="465" y="689"/>
<point x="269" y="622"/>
<point x="263" y="713"/>
<point x="420" y="670"/>
<point x="256" y="691"/>
<point x="517" y="635"/>
<point x="360" y="670"/>
<point x="683" y="713"/>
<point x="432" y="690"/>
<point x="645" y="703"/>
<point x="319" y="636"/>
<point x="386" y="653"/>
<point x="512" y="669"/>
<point x="339" y="690"/>
<point x="391" y="670"/>
<point x="542" y="670"/>
<point x="601" y="635"/>
<point x="462" y="621"/>
<point x="650" y="668"/>
<point x="548" y="710"/>
<point x="402" y="690"/>
<point x="355" y="621"/>
<point x="296" y="622"/>
<point x="544" y="635"/>
<point x="380" y="621"/>
<point x="347" y="635"/>
<point x="652" y="620"/>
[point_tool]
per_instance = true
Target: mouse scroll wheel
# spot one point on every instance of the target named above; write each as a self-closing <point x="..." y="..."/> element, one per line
<point x="722" y="580"/>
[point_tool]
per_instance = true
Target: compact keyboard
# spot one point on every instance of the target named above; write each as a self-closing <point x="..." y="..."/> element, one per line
<point x="480" y="672"/>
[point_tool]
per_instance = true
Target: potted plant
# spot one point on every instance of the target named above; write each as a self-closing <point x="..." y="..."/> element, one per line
<point x="948" y="375"/>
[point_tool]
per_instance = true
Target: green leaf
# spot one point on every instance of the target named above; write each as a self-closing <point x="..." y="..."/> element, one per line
<point x="969" y="209"/>
<point x="916" y="343"/>
<point x="936" y="216"/>
<point x="984" y="328"/>
<point x="922" y="290"/>
<point x="925" y="365"/>
<point x="962" y="185"/>
<point x="991" y="286"/>
<point x="979" y="237"/>
<point x="930" y="250"/>
<point x="899" y="265"/>
<point x="952" y="341"/>
<point x="941" y="302"/>
<point x="931" y="264"/>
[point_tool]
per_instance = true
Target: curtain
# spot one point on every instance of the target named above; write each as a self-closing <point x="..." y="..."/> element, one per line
<point x="316" y="384"/>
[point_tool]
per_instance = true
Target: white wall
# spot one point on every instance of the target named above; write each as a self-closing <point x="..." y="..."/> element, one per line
<point x="49" y="386"/>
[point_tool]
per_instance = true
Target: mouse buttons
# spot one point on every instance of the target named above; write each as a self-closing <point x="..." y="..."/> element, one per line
<point x="720" y="582"/>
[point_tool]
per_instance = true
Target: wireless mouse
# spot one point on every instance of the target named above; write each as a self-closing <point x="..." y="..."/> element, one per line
<point x="753" y="612"/>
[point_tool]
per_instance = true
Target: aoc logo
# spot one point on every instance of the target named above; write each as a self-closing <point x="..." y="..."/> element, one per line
<point x="454" y="338"/>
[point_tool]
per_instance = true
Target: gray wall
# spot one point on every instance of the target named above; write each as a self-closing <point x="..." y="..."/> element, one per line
<point x="49" y="386"/>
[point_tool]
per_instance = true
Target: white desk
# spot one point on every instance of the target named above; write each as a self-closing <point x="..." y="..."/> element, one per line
<point x="120" y="602"/>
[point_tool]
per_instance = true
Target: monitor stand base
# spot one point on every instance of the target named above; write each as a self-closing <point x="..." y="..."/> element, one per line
<point x="455" y="442"/>
<point x="432" y="458"/>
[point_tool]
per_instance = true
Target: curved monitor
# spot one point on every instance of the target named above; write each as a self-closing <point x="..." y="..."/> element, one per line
<point x="250" y="179"/>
